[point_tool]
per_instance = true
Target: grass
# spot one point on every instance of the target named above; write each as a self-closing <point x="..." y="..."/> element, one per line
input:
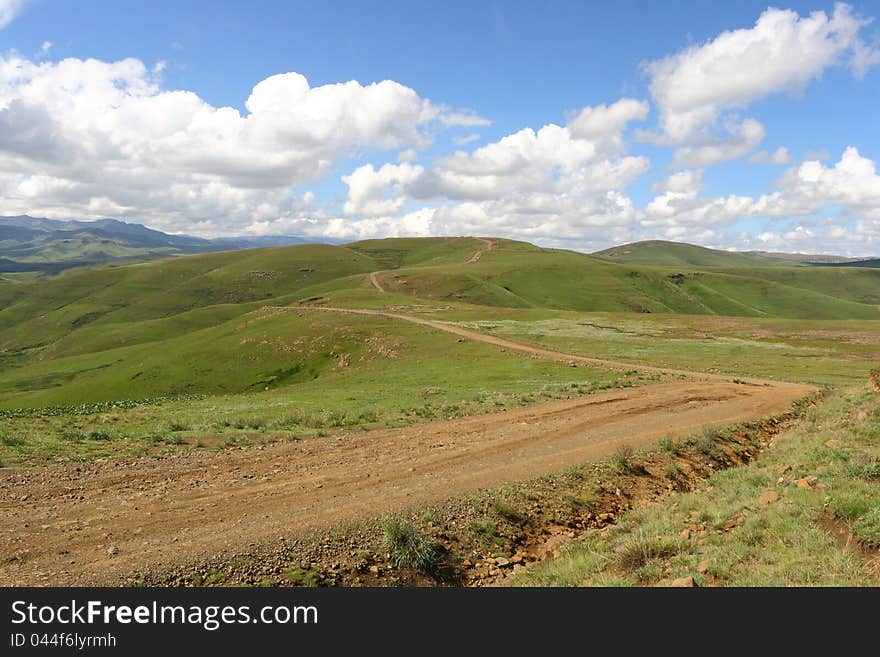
<point x="410" y="548"/>
<point x="724" y="534"/>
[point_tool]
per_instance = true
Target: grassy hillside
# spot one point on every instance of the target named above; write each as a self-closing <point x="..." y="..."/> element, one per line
<point x="531" y="278"/>
<point x="195" y="324"/>
<point x="674" y="254"/>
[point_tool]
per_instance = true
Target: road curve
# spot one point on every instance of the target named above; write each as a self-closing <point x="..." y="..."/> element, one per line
<point x="95" y="522"/>
<point x="60" y="524"/>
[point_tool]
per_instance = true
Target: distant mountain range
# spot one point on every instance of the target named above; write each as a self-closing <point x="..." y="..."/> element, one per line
<point x="35" y="244"/>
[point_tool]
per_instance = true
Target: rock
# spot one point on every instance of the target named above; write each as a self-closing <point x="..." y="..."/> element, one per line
<point x="782" y="469"/>
<point x="431" y="391"/>
<point x="685" y="534"/>
<point x="112" y="550"/>
<point x="832" y="443"/>
<point x="502" y="562"/>
<point x="466" y="563"/>
<point x="571" y="363"/>
<point x="703" y="566"/>
<point x="684" y="582"/>
<point x="862" y="416"/>
<point x="768" y="497"/>
<point x="516" y="558"/>
<point x="375" y="570"/>
<point x="805" y="484"/>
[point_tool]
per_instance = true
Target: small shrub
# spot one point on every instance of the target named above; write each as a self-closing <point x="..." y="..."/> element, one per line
<point x="173" y="440"/>
<point x="408" y="547"/>
<point x="622" y="460"/>
<point x="177" y="426"/>
<point x="72" y="436"/>
<point x="705" y="442"/>
<point x="96" y="434"/>
<point x="670" y="446"/>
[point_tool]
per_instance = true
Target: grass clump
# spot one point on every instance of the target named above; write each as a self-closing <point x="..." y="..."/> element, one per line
<point x="622" y="460"/>
<point x="410" y="548"/>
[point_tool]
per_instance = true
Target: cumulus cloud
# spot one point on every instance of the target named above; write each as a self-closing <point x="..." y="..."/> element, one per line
<point x="556" y="184"/>
<point x="373" y="192"/>
<point x="852" y="183"/>
<point x="9" y="9"/>
<point x="89" y="138"/>
<point x="741" y="140"/>
<point x="782" y="52"/>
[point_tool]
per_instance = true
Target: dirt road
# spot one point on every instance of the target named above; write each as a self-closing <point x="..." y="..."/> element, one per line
<point x="60" y="524"/>
<point x="541" y="352"/>
<point x="91" y="523"/>
<point x="491" y="245"/>
<point x="374" y="281"/>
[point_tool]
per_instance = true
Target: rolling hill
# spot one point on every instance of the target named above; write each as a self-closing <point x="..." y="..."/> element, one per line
<point x="173" y="325"/>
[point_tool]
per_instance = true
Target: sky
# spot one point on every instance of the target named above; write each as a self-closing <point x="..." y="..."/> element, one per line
<point x="579" y="124"/>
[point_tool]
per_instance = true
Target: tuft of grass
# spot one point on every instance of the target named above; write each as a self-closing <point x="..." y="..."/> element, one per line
<point x="97" y="434"/>
<point x="670" y="446"/>
<point x="622" y="460"/>
<point x="177" y="426"/>
<point x="640" y="548"/>
<point x="408" y="547"/>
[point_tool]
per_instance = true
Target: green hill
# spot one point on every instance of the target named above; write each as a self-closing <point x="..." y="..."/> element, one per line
<point x="184" y="324"/>
<point x="675" y="254"/>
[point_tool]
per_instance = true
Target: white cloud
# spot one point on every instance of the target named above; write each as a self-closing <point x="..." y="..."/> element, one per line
<point x="464" y="119"/>
<point x="547" y="184"/>
<point x="741" y="140"/>
<point x="9" y="9"/>
<point x="779" y="156"/>
<point x="88" y="138"/>
<point x="604" y="120"/>
<point x="782" y="52"/>
<point x="852" y="183"/>
<point x="373" y="192"/>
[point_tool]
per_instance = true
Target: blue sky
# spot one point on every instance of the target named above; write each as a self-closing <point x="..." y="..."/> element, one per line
<point x="693" y="154"/>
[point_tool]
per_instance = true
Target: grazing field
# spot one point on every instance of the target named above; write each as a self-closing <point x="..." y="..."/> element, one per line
<point x="363" y="372"/>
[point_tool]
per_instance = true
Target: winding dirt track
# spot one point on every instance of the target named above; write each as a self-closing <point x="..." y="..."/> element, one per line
<point x="57" y="524"/>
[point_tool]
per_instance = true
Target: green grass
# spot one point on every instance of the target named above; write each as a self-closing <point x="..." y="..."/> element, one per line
<point x="410" y="548"/>
<point x="724" y="534"/>
<point x="392" y="365"/>
<point x="833" y="353"/>
<point x="204" y="345"/>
